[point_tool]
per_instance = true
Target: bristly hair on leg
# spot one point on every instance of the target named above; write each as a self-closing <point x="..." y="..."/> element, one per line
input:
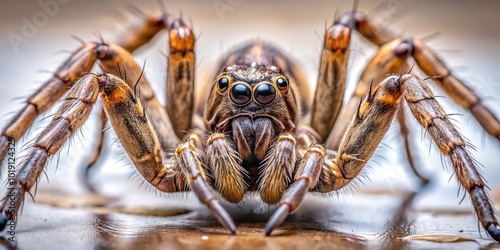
<point x="431" y="77"/>
<point x="335" y="16"/>
<point x="411" y="69"/>
<point x="163" y="9"/>
<point x="136" y="11"/>
<point x="124" y="73"/>
<point x="119" y="71"/>
<point x="101" y="69"/>
<point x="99" y="36"/>
<point x="358" y="117"/>
<point x="78" y="39"/>
<point x="139" y="79"/>
<point x="355" y="6"/>
<point x="62" y="51"/>
<point x="430" y="36"/>
<point x="370" y="94"/>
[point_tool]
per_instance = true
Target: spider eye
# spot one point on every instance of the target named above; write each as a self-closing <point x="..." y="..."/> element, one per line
<point x="222" y="83"/>
<point x="282" y="83"/>
<point x="241" y="94"/>
<point x="264" y="94"/>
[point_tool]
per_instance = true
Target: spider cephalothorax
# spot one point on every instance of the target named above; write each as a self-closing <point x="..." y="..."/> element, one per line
<point x="249" y="105"/>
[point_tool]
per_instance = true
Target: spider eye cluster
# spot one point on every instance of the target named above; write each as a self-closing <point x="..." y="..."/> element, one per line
<point x="241" y="93"/>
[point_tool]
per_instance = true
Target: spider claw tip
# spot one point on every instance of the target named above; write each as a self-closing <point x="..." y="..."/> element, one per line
<point x="3" y="222"/>
<point x="494" y="231"/>
<point x="277" y="218"/>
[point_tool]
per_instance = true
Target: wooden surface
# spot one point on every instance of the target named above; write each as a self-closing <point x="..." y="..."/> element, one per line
<point x="379" y="220"/>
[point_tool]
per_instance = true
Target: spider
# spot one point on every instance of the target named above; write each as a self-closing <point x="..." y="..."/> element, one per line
<point x="262" y="128"/>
